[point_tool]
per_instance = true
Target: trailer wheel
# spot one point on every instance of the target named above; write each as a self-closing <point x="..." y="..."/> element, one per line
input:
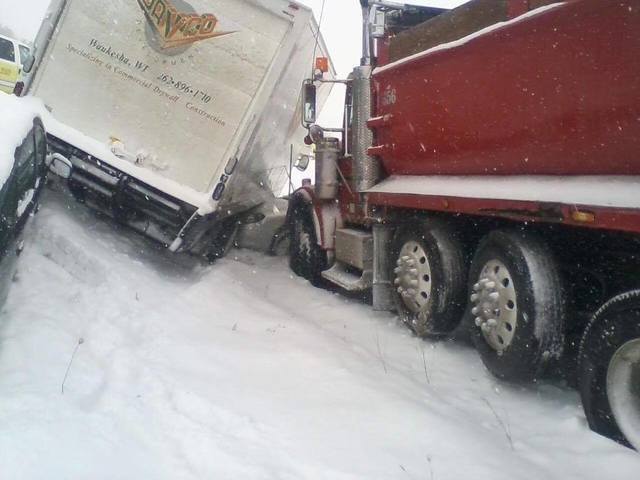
<point x="306" y="258"/>
<point x="609" y="370"/>
<point x="429" y="278"/>
<point x="518" y="305"/>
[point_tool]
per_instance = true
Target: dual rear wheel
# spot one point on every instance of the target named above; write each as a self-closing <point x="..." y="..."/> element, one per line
<point x="429" y="278"/>
<point x="515" y="291"/>
<point x="516" y="306"/>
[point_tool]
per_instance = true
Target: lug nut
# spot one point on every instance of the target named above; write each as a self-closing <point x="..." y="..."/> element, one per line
<point x="474" y="297"/>
<point x="492" y="322"/>
<point x="479" y="321"/>
<point x="399" y="262"/>
<point x="485" y="328"/>
<point x="476" y="287"/>
<point x="475" y="310"/>
<point x="397" y="269"/>
<point x="396" y="282"/>
<point x="400" y="290"/>
<point x="490" y="285"/>
<point x="494" y="296"/>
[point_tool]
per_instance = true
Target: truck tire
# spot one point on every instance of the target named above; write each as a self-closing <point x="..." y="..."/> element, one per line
<point x="517" y="305"/>
<point x="609" y="370"/>
<point x="306" y="258"/>
<point x="221" y="240"/>
<point x="429" y="278"/>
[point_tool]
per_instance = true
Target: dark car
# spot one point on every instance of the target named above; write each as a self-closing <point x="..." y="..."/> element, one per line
<point x="19" y="196"/>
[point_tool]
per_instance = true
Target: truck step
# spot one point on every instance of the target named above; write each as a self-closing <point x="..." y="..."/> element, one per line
<point x="355" y="247"/>
<point x="347" y="280"/>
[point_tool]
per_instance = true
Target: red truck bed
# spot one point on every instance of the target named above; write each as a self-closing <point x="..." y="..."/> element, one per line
<point x="553" y="92"/>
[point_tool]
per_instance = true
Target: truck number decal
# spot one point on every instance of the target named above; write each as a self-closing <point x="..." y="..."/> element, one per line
<point x="389" y="97"/>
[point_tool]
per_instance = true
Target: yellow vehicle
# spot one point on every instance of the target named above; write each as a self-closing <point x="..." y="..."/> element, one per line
<point x="12" y="57"/>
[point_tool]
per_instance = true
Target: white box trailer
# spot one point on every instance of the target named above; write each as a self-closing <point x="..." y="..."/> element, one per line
<point x="176" y="115"/>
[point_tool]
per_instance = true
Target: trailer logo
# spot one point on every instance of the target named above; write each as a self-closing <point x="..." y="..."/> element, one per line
<point x="172" y="31"/>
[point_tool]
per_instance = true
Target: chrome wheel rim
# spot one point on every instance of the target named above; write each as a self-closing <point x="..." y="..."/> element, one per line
<point x="623" y="390"/>
<point x="413" y="277"/>
<point x="495" y="305"/>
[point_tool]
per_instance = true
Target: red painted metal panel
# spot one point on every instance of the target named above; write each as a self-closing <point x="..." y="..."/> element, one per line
<point x="555" y="93"/>
<point x="517" y="7"/>
<point x="617" y="219"/>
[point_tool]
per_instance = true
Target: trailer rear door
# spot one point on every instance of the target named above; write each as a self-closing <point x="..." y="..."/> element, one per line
<point x="171" y="79"/>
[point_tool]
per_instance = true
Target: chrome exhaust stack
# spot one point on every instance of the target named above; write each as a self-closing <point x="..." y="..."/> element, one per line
<point x="367" y="168"/>
<point x="327" y="152"/>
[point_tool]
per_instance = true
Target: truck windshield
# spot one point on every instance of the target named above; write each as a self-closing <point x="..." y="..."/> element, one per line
<point x="7" y="51"/>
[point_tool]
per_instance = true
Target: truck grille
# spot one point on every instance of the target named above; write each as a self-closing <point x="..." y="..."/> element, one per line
<point x="122" y="197"/>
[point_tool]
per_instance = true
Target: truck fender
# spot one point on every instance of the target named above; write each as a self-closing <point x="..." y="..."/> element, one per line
<point x="326" y="215"/>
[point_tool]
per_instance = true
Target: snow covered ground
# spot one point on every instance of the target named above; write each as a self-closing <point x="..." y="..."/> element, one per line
<point x="241" y="371"/>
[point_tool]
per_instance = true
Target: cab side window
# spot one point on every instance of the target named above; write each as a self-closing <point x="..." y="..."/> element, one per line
<point x="7" y="52"/>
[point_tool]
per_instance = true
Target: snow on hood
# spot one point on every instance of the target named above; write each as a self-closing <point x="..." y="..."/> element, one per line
<point x="16" y="119"/>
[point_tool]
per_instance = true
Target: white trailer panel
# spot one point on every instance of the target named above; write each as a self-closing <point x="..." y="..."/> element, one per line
<point x="180" y="90"/>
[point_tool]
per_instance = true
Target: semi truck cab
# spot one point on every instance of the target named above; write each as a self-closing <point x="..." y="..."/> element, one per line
<point x="485" y="180"/>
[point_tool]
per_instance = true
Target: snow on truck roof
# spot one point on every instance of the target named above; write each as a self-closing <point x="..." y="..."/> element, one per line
<point x="16" y="119"/>
<point x="466" y="39"/>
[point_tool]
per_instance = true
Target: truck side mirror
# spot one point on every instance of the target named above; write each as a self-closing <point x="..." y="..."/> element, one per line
<point x="378" y="29"/>
<point x="303" y="162"/>
<point x="59" y="165"/>
<point x="28" y="64"/>
<point x="308" y="104"/>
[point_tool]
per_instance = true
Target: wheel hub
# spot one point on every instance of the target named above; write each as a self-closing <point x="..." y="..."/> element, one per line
<point x="413" y="276"/>
<point x="623" y="389"/>
<point x="494" y="305"/>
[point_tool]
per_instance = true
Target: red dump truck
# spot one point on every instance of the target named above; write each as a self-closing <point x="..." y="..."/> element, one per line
<point x="487" y="178"/>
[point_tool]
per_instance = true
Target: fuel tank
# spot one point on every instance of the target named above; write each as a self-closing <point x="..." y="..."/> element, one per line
<point x="555" y="91"/>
